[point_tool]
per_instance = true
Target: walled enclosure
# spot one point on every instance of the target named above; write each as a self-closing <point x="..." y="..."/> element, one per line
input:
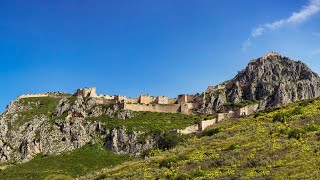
<point x="174" y="108"/>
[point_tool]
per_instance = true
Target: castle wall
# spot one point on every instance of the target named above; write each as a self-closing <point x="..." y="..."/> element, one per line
<point x="247" y="110"/>
<point x="174" y="108"/>
<point x="145" y="99"/>
<point x="186" y="107"/>
<point x="33" y="95"/>
<point x="186" y="98"/>
<point x="104" y="101"/>
<point x="132" y="100"/>
<point x="86" y="92"/>
<point x="46" y="94"/>
<point x="189" y="129"/>
<point x="204" y="124"/>
<point x="120" y="98"/>
<point x="172" y="101"/>
<point x="105" y="97"/>
<point x="230" y="114"/>
<point x="162" y="100"/>
<point x="183" y="98"/>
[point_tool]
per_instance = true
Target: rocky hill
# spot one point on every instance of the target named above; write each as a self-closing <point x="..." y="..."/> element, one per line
<point x="272" y="80"/>
<point x="54" y="124"/>
<point x="48" y="126"/>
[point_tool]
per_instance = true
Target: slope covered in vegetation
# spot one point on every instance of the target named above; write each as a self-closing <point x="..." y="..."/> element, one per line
<point x="64" y="166"/>
<point x="279" y="143"/>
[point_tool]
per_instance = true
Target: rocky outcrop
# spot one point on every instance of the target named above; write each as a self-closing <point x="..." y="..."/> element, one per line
<point x="23" y="135"/>
<point x="89" y="107"/>
<point x="41" y="136"/>
<point x="274" y="80"/>
<point x="121" y="141"/>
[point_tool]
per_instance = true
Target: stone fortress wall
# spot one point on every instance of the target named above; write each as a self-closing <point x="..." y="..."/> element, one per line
<point x="237" y="113"/>
<point x="217" y="87"/>
<point x="183" y="103"/>
<point x="200" y="126"/>
<point x="33" y="95"/>
<point x="46" y="94"/>
<point x="172" y="108"/>
<point x="145" y="102"/>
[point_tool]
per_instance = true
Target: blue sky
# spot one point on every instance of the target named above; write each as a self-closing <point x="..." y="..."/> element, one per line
<point x="165" y="47"/>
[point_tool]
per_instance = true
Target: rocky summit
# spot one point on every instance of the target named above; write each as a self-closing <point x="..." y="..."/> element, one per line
<point x="271" y="80"/>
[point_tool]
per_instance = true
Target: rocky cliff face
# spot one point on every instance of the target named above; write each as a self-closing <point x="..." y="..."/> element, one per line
<point x="29" y="127"/>
<point x="120" y="141"/>
<point x="273" y="80"/>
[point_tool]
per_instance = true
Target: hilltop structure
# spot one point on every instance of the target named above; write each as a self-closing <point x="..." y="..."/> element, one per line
<point x="271" y="80"/>
<point x="145" y="102"/>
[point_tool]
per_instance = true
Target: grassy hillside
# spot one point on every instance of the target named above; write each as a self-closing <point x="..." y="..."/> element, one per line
<point x="35" y="106"/>
<point x="282" y="143"/>
<point x="150" y="121"/>
<point x="64" y="166"/>
<point x="89" y="157"/>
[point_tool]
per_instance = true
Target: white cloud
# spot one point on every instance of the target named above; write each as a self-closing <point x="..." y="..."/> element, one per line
<point x="302" y="15"/>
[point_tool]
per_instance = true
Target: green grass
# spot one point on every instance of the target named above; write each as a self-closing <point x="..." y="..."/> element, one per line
<point x="70" y="164"/>
<point x="39" y="105"/>
<point x="255" y="147"/>
<point x="150" y="121"/>
<point x="142" y="121"/>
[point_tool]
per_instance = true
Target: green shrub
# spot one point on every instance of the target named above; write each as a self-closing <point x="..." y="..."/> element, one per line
<point x="168" y="163"/>
<point x="182" y="176"/>
<point x="170" y="140"/>
<point x="296" y="134"/>
<point x="311" y="127"/>
<point x="233" y="147"/>
<point x="198" y="172"/>
<point x="306" y="102"/>
<point x="296" y="111"/>
<point x="74" y="163"/>
<point x="211" y="132"/>
<point x="280" y="117"/>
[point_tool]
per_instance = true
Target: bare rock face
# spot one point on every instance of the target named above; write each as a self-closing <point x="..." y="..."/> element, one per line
<point x="89" y="107"/>
<point x="23" y="136"/>
<point x="274" y="80"/>
<point x="121" y="141"/>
